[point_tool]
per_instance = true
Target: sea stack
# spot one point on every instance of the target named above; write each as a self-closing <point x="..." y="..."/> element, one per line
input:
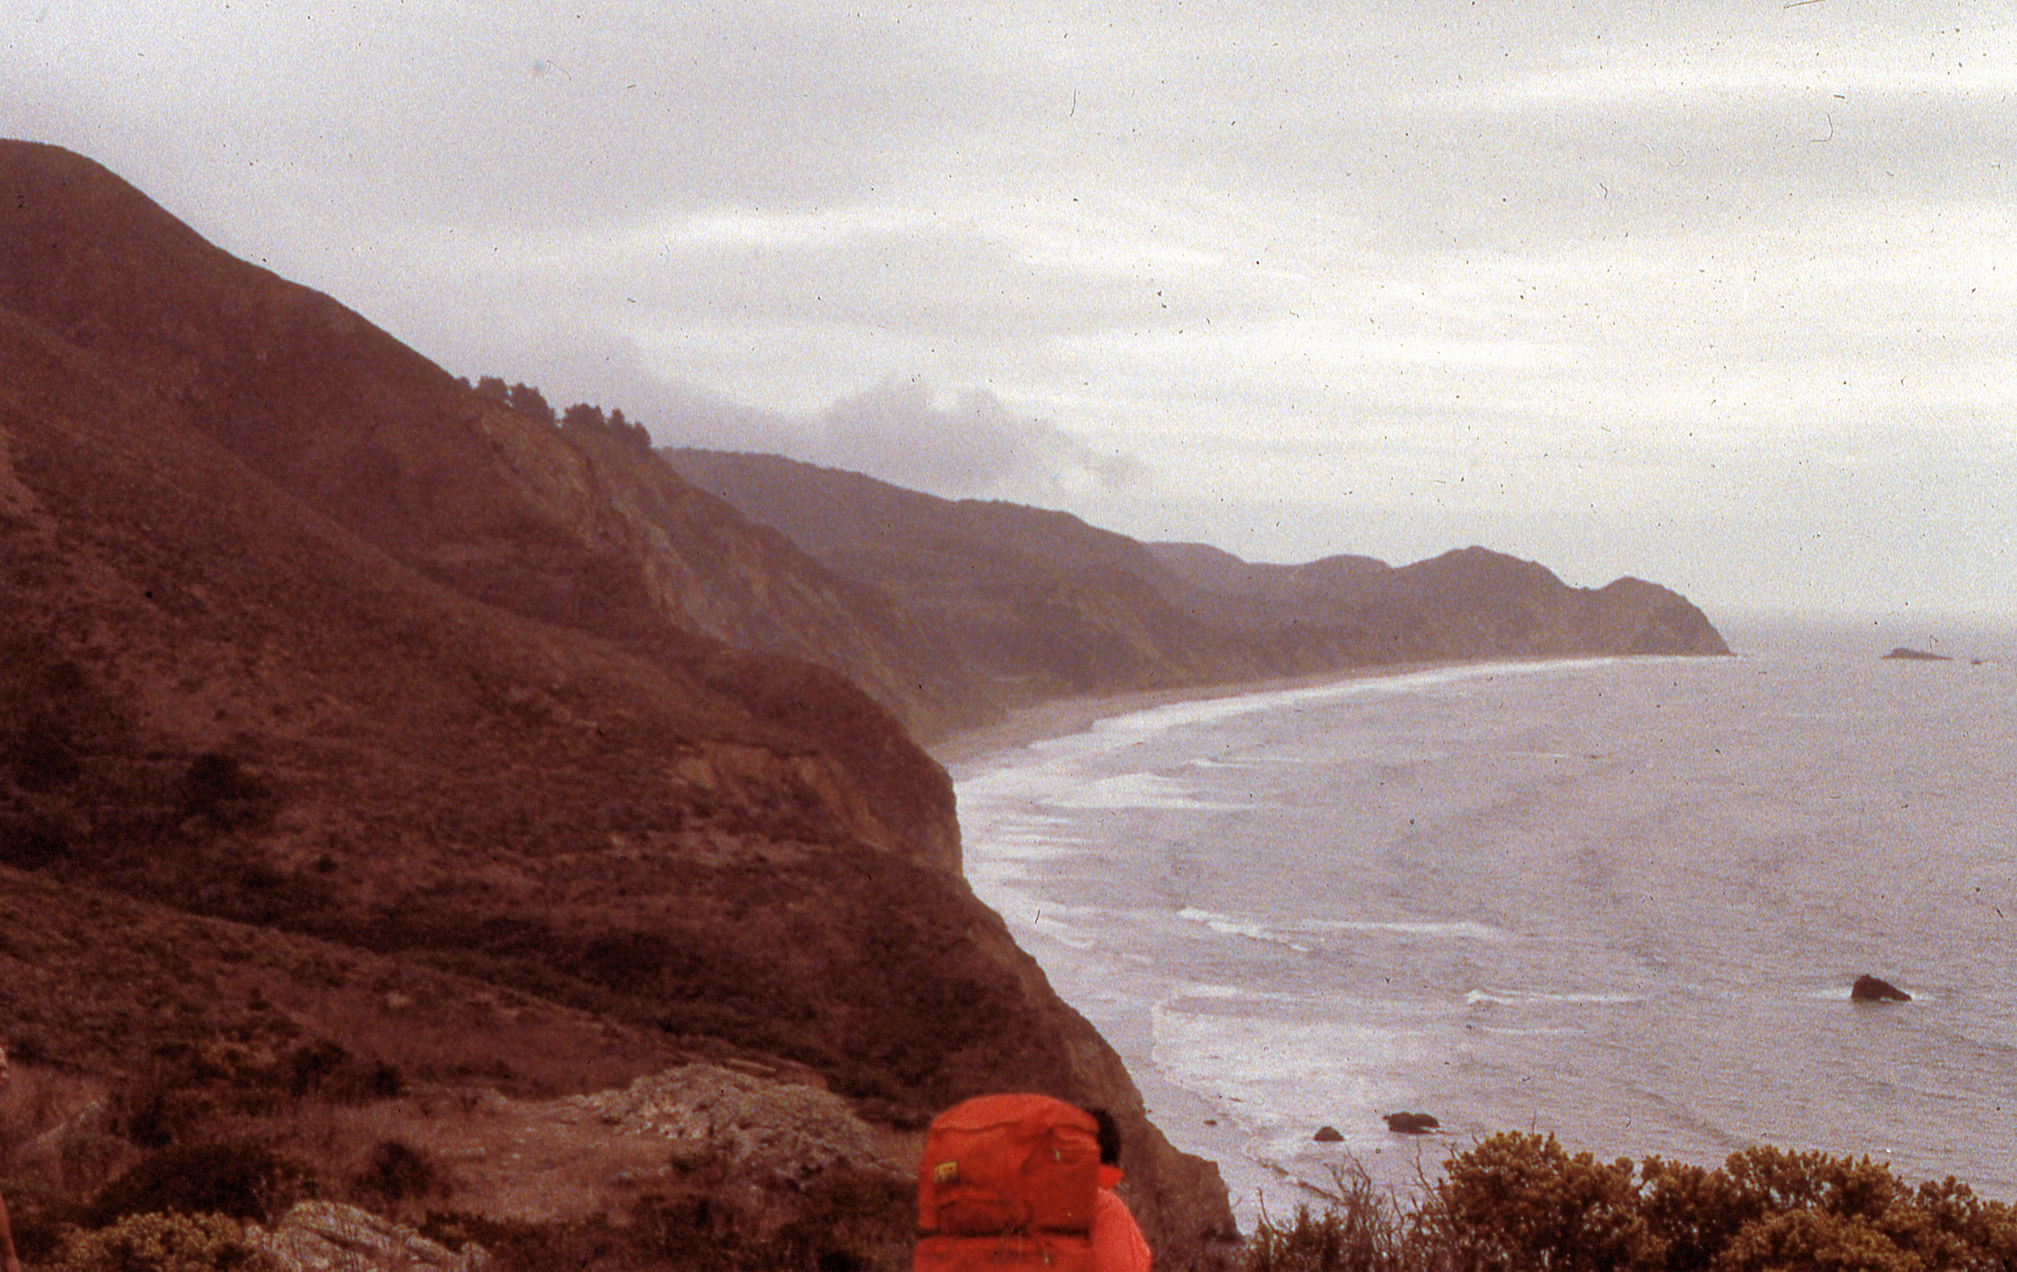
<point x="1872" y="989"/>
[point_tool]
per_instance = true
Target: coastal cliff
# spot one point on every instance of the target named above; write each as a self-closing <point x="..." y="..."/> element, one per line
<point x="351" y="710"/>
<point x="334" y="684"/>
<point x="1030" y="605"/>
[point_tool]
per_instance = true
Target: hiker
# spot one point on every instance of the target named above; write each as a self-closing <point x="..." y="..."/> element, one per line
<point x="9" y="1262"/>
<point x="1117" y="1241"/>
<point x="1023" y="1183"/>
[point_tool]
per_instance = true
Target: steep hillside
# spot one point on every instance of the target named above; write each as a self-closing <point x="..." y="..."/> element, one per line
<point x="1039" y="604"/>
<point x="309" y="640"/>
<point x="718" y="574"/>
<point x="575" y="530"/>
<point x="1043" y="605"/>
<point x="1467" y="603"/>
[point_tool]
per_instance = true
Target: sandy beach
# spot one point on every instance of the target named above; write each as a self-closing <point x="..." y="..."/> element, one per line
<point x="1063" y="717"/>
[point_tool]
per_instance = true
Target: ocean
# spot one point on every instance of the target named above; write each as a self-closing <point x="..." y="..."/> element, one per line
<point x="1619" y="900"/>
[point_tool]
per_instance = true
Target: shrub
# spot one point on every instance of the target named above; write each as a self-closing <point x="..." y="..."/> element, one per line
<point x="161" y="1243"/>
<point x="1360" y="1229"/>
<point x="241" y="1179"/>
<point x="1522" y="1203"/>
<point x="397" y="1171"/>
<point x="216" y="787"/>
<point x="324" y="1068"/>
<point x="856" y="1219"/>
<point x="162" y="1108"/>
<point x="41" y="1218"/>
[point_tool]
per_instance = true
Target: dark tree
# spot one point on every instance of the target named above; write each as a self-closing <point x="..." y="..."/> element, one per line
<point x="530" y="401"/>
<point x="582" y="415"/>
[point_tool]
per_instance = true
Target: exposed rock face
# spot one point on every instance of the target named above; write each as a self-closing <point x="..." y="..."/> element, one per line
<point x="320" y="660"/>
<point x="777" y="1134"/>
<point x="1872" y="989"/>
<point x="1902" y="654"/>
<point x="324" y="1236"/>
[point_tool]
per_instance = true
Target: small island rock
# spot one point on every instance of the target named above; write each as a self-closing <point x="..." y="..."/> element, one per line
<point x="1872" y="989"/>
<point x="1328" y="1135"/>
<point x="1411" y="1123"/>
<point x="1916" y="655"/>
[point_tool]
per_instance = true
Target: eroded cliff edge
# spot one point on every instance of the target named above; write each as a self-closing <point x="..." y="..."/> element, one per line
<point x="314" y="647"/>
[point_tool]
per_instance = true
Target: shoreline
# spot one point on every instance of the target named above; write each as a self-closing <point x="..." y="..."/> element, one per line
<point x="1066" y="717"/>
<point x="1191" y="1121"/>
<point x="1256" y="1178"/>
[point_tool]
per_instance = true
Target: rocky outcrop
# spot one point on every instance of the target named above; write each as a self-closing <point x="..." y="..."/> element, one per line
<point x="1873" y="989"/>
<point x="773" y="1134"/>
<point x="324" y="1236"/>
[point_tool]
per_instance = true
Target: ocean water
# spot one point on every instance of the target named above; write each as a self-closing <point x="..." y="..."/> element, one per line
<point x="1620" y="900"/>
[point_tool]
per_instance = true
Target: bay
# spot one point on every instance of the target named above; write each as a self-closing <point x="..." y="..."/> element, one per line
<point x="1619" y="900"/>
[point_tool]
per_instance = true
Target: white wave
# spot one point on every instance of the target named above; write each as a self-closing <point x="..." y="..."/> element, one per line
<point x="1120" y="732"/>
<point x="1227" y="925"/>
<point x="1138" y="790"/>
<point x="1463" y="929"/>
<point x="1214" y="992"/>
<point x="1277" y="1066"/>
<point x="1298" y="935"/>
<point x="1514" y="997"/>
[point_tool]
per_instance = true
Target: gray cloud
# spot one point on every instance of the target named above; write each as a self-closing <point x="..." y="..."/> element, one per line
<point x="976" y="446"/>
<point x="895" y="430"/>
<point x="1386" y="275"/>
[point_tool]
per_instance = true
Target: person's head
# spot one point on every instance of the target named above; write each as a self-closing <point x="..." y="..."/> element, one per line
<point x="1110" y="1137"/>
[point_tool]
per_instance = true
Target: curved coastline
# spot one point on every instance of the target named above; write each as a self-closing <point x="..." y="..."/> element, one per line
<point x="1063" y="717"/>
<point x="1258" y="1179"/>
<point x="1697" y="1120"/>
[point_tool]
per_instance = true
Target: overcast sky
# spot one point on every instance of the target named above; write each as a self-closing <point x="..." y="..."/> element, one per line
<point x="1718" y="294"/>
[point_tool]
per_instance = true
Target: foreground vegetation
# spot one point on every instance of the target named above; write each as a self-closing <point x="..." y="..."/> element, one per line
<point x="164" y="1174"/>
<point x="1523" y="1203"/>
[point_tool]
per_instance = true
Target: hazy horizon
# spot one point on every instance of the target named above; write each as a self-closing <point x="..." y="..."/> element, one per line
<point x="1709" y="294"/>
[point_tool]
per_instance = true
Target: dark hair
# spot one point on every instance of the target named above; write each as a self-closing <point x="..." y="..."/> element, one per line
<point x="1110" y="1137"/>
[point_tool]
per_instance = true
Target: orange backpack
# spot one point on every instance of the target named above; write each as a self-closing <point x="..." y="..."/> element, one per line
<point x="1008" y="1181"/>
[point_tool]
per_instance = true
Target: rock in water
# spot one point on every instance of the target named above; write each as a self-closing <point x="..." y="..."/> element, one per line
<point x="1871" y="989"/>
<point x="1411" y="1123"/>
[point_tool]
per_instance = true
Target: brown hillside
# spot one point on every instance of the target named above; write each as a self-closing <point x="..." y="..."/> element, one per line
<point x="1042" y="604"/>
<point x="1465" y="604"/>
<point x="1038" y="604"/>
<point x="571" y="529"/>
<point x="306" y="636"/>
<point x="752" y="587"/>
